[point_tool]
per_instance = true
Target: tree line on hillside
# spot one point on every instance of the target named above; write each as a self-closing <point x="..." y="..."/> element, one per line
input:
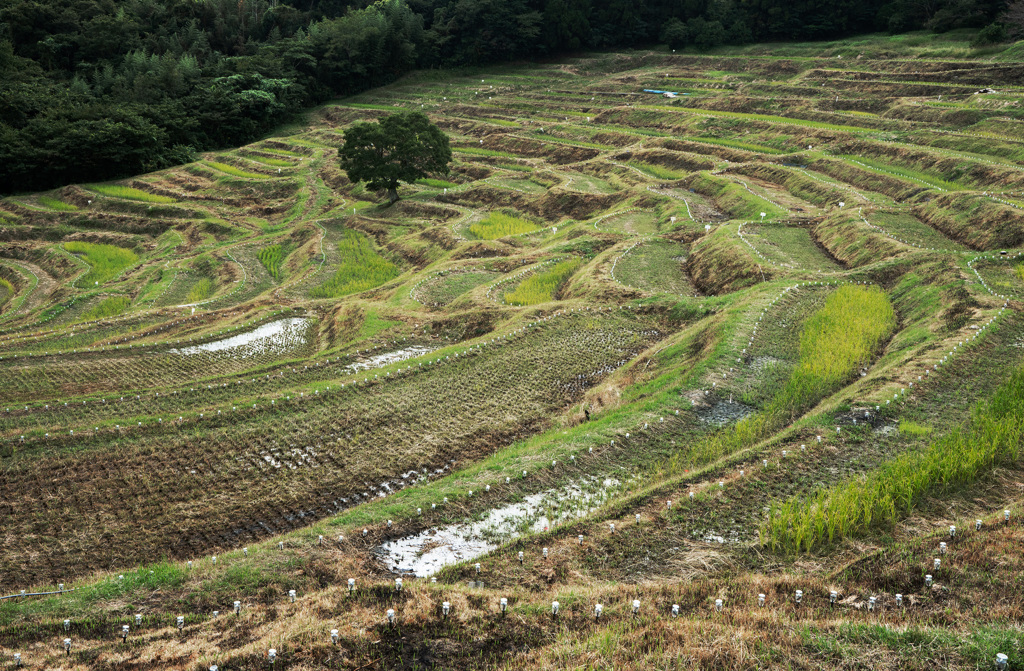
<point x="97" y="89"/>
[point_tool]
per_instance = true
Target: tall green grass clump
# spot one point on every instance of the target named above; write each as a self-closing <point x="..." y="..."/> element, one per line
<point x="541" y="287"/>
<point x="361" y="268"/>
<point x="105" y="261"/>
<point x="271" y="258"/>
<point x="500" y="225"/>
<point x="835" y="341"/>
<point x="1019" y="269"/>
<point x="128" y="193"/>
<point x="992" y="437"/>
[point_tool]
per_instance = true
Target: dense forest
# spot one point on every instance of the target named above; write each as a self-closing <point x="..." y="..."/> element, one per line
<point x="96" y="89"/>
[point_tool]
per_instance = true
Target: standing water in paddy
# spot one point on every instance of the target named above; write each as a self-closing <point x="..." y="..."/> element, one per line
<point x="273" y="337"/>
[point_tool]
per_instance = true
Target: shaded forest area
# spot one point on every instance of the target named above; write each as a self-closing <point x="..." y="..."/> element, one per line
<point x="98" y="89"/>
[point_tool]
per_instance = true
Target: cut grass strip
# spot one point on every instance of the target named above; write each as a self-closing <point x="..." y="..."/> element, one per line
<point x="236" y="172"/>
<point x="108" y="307"/>
<point x="128" y="193"/>
<point x="834" y="342"/>
<point x="658" y="171"/>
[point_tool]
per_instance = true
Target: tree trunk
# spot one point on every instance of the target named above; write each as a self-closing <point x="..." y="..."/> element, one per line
<point x="393" y="195"/>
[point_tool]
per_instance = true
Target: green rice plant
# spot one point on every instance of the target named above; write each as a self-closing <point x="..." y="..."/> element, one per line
<point x="128" y="193"/>
<point x="499" y="225"/>
<point x="1019" y="269"/>
<point x="992" y="437"/>
<point x="515" y="168"/>
<point x="236" y="172"/>
<point x="271" y="258"/>
<point x="200" y="291"/>
<point x="541" y="287"/>
<point x="55" y="204"/>
<point x="658" y="171"/>
<point x="361" y="268"/>
<point x="105" y="261"/>
<point x="108" y="307"/>
<point x="436" y="183"/>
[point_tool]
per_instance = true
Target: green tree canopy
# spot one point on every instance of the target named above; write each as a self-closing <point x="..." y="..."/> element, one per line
<point x="403" y="147"/>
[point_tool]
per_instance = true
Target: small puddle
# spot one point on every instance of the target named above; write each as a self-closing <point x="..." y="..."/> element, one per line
<point x="724" y="412"/>
<point x="389" y="358"/>
<point x="274" y="337"/>
<point x="428" y="552"/>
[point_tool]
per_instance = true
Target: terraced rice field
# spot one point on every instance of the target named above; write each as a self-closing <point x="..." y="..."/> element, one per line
<point x="246" y="375"/>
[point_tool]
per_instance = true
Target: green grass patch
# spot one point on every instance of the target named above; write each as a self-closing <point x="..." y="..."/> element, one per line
<point x="541" y="287"/>
<point x="913" y="428"/>
<point x="515" y="168"/>
<point x="436" y="183"/>
<point x="128" y="193"/>
<point x="108" y="307"/>
<point x="444" y="289"/>
<point x="105" y="261"/>
<point x="266" y="160"/>
<point x="479" y="151"/>
<point x="991" y="438"/>
<point x="235" y="172"/>
<point x="658" y="171"/>
<point x="499" y="225"/>
<point x="56" y="204"/>
<point x="561" y="140"/>
<point x="359" y="269"/>
<point x="736" y="144"/>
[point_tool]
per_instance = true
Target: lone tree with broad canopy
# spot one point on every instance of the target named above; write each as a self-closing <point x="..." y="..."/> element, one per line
<point x="403" y="147"/>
